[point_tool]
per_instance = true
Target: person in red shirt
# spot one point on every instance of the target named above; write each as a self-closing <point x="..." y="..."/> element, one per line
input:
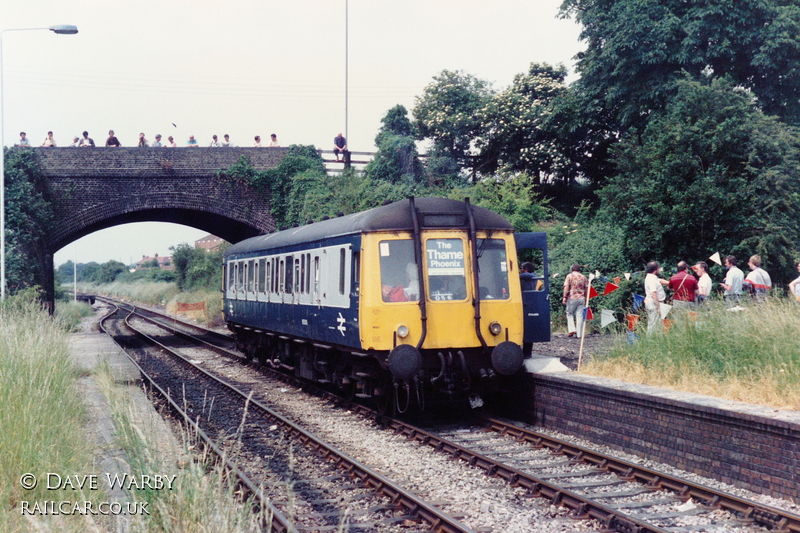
<point x="683" y="286"/>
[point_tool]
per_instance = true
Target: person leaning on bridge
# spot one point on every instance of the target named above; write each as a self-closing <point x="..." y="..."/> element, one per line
<point x="226" y="141"/>
<point x="274" y="141"/>
<point x="112" y="139"/>
<point x="49" y="142"/>
<point x="339" y="145"/>
<point x="257" y="141"/>
<point x="157" y="142"/>
<point x="142" y="141"/>
<point x="87" y="142"/>
<point x="23" y="141"/>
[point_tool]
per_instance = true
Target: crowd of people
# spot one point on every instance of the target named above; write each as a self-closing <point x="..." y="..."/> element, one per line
<point x="113" y="141"/>
<point x="690" y="287"/>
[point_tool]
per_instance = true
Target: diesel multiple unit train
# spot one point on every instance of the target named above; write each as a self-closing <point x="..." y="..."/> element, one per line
<point x="413" y="301"/>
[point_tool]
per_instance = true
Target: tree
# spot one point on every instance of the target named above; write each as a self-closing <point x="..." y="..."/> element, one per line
<point x="448" y="112"/>
<point x="638" y="51"/>
<point x="710" y="173"/>
<point x="396" y="159"/>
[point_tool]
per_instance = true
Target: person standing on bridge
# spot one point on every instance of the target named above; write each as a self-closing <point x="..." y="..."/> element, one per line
<point x="23" y="141"/>
<point x="226" y="141"/>
<point x="274" y="141"/>
<point x="192" y="142"/>
<point x="171" y="142"/>
<point x="49" y="142"/>
<point x="112" y="140"/>
<point x="142" y="141"/>
<point x="87" y="142"/>
<point x="257" y="141"/>
<point x="215" y="142"/>
<point x="157" y="142"/>
<point x="339" y="145"/>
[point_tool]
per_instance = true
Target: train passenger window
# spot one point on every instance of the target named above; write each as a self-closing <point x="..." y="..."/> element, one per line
<point x="356" y="271"/>
<point x="298" y="278"/>
<point x="231" y="276"/>
<point x="281" y="274"/>
<point x="250" y="276"/>
<point x="316" y="277"/>
<point x="288" y="284"/>
<point x="262" y="275"/>
<point x="302" y="273"/>
<point x="275" y="275"/>
<point x="239" y="276"/>
<point x="399" y="278"/>
<point x="446" y="262"/>
<point x="308" y="273"/>
<point x="341" y="270"/>
<point x="492" y="269"/>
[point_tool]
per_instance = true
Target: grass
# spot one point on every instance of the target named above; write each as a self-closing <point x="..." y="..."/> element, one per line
<point x="70" y="313"/>
<point x="203" y="500"/>
<point x="41" y="413"/>
<point x="751" y="355"/>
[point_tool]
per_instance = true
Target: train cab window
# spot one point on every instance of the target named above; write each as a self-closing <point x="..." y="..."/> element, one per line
<point x="492" y="269"/>
<point x="446" y="262"/>
<point x="399" y="278"/>
<point x="356" y="272"/>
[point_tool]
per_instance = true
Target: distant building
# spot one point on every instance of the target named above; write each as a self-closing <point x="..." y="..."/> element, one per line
<point x="163" y="262"/>
<point x="209" y="243"/>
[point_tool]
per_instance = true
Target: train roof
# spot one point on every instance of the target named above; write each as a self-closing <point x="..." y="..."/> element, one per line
<point x="435" y="213"/>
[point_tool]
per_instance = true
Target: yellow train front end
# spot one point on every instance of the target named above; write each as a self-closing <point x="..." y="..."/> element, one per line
<point x="444" y="305"/>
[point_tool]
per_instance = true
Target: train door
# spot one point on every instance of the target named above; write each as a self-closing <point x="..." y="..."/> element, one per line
<point x="532" y="248"/>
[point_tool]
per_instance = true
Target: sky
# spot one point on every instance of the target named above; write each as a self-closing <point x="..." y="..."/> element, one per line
<point x="304" y="70"/>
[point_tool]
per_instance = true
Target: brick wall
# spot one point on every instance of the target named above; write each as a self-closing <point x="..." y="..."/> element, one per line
<point x="752" y="447"/>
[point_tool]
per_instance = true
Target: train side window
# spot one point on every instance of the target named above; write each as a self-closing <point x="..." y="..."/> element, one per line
<point x="262" y="275"/>
<point x="288" y="283"/>
<point x="303" y="269"/>
<point x="356" y="271"/>
<point x="282" y="277"/>
<point x="316" y="277"/>
<point x="399" y="279"/>
<point x="231" y="276"/>
<point x="308" y="273"/>
<point x="341" y="270"/>
<point x="492" y="269"/>
<point x="298" y="277"/>
<point x="275" y="275"/>
<point x="250" y="276"/>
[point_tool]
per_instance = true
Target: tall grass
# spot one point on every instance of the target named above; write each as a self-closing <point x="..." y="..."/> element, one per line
<point x="70" y="313"/>
<point x="203" y="497"/>
<point x="41" y="413"/>
<point x="751" y="355"/>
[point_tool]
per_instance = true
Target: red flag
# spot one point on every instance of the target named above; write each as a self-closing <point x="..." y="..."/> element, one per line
<point x="616" y="281"/>
<point x="592" y="292"/>
<point x="632" y="320"/>
<point x="667" y="325"/>
<point x="610" y="287"/>
<point x="587" y="313"/>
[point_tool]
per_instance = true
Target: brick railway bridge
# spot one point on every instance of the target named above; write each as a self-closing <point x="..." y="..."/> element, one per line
<point x="97" y="188"/>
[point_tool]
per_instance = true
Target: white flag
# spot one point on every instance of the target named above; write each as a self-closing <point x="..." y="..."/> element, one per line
<point x="628" y="276"/>
<point x="716" y="258"/>
<point x="606" y="317"/>
<point x="665" y="309"/>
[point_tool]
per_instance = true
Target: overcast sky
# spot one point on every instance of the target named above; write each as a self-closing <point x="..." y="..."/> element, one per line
<point x="249" y="68"/>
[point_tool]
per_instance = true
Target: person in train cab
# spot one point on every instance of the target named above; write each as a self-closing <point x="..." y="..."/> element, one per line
<point x="528" y="278"/>
<point x="49" y="141"/>
<point x="23" y="141"/>
<point x="274" y="141"/>
<point x="575" y="286"/>
<point x="157" y="142"/>
<point x="226" y="140"/>
<point x="257" y="141"/>
<point x="339" y="145"/>
<point x="112" y="139"/>
<point x="142" y="141"/>
<point x="411" y="289"/>
<point x="87" y="142"/>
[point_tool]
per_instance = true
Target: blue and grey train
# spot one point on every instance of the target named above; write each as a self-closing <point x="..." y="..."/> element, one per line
<point x="414" y="300"/>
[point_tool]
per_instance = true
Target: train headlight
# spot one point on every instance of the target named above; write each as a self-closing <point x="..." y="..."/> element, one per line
<point x="402" y="332"/>
<point x="495" y="328"/>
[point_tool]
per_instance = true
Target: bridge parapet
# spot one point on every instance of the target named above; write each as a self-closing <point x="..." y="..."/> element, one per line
<point x="151" y="162"/>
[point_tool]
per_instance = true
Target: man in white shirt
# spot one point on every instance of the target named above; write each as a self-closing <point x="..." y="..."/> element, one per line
<point x="733" y="282"/>
<point x="654" y="297"/>
<point x="704" y="283"/>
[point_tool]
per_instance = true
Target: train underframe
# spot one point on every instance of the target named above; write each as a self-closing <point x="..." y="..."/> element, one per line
<point x="392" y="382"/>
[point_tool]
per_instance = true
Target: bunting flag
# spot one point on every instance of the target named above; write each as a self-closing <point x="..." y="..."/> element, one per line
<point x="628" y="276"/>
<point x="665" y="309"/>
<point x="592" y="292"/>
<point x="632" y="320"/>
<point x="617" y="280"/>
<point x="606" y="317"/>
<point x="632" y="337"/>
<point x="610" y="287"/>
<point x="596" y="274"/>
<point x="604" y="279"/>
<point x="716" y="258"/>
<point x="556" y="275"/>
<point x="637" y="301"/>
<point x="587" y="313"/>
<point x="667" y="324"/>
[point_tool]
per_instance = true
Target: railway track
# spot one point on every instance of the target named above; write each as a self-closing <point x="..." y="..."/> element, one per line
<point x="617" y="494"/>
<point x="320" y="488"/>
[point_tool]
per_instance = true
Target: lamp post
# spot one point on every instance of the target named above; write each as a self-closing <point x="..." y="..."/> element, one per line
<point x="63" y="29"/>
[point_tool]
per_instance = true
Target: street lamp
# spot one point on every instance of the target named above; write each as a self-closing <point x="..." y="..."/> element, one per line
<point x="63" y="29"/>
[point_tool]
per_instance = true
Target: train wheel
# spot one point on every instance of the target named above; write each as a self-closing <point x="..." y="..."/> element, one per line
<point x="384" y="402"/>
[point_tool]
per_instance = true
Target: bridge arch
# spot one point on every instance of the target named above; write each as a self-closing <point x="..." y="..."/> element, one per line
<point x="97" y="188"/>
